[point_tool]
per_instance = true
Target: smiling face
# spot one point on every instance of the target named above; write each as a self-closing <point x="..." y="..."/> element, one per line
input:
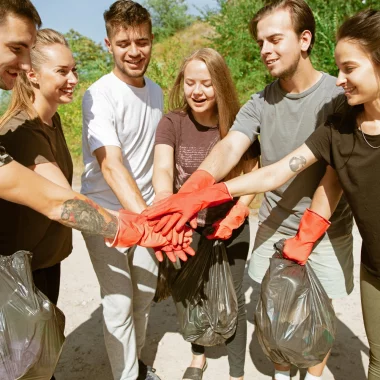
<point x="358" y="75"/>
<point x="280" y="46"/>
<point x="199" y="91"/>
<point x="56" y="78"/>
<point x="131" y="49"/>
<point x="17" y="36"/>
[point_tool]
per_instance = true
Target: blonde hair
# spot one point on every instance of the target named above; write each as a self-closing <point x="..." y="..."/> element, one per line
<point x="225" y="93"/>
<point x="22" y="94"/>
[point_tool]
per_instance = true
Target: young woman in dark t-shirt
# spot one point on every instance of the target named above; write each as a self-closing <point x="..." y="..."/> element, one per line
<point x="350" y="143"/>
<point x="32" y="134"/>
<point x="204" y="104"/>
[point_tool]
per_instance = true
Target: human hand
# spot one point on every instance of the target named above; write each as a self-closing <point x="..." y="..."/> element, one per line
<point x="185" y="205"/>
<point x="312" y="227"/>
<point x="234" y="219"/>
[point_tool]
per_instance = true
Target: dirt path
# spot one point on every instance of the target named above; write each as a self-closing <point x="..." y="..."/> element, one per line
<point x="84" y="355"/>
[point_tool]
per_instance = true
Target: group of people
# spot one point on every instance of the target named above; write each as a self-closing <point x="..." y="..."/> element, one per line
<point x="150" y="180"/>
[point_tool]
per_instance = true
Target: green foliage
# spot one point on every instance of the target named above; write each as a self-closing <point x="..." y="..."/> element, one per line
<point x="168" y="16"/>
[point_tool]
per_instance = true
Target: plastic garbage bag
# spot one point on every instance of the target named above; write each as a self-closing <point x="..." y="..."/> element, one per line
<point x="31" y="327"/>
<point x="205" y="296"/>
<point x="295" y="320"/>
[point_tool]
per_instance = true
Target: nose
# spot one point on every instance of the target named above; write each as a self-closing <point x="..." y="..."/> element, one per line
<point x="25" y="63"/>
<point x="266" y="48"/>
<point x="133" y="50"/>
<point x="197" y="89"/>
<point x="341" y="80"/>
<point x="73" y="78"/>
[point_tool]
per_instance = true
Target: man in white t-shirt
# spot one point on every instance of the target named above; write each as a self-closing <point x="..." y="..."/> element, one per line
<point x="120" y="115"/>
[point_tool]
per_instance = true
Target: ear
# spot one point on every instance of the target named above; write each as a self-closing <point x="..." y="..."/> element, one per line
<point x="305" y="40"/>
<point x="32" y="76"/>
<point x="108" y="44"/>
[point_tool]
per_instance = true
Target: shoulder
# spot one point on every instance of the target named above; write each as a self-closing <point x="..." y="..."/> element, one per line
<point x="19" y="119"/>
<point x="153" y="86"/>
<point x="102" y="85"/>
<point x="342" y="122"/>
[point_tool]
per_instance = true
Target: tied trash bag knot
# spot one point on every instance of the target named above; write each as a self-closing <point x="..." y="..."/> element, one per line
<point x="31" y="327"/>
<point x="295" y="320"/>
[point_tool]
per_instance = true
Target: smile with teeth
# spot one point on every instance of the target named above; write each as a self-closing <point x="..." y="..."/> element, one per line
<point x="199" y="101"/>
<point x="68" y="91"/>
<point x="269" y="62"/>
<point x="348" y="90"/>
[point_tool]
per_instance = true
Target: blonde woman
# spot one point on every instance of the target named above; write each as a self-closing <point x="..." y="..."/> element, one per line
<point x="32" y="134"/>
<point x="204" y="105"/>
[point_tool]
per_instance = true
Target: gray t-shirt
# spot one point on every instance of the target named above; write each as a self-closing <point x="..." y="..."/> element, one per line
<point x="284" y="121"/>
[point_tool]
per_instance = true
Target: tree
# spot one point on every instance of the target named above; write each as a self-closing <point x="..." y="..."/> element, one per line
<point x="168" y="16"/>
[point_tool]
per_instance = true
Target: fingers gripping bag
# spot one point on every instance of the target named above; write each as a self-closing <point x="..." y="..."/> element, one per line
<point x="205" y="296"/>
<point x="31" y="327"/>
<point x="295" y="320"/>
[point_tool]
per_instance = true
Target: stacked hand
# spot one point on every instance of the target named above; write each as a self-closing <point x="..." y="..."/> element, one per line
<point x="311" y="228"/>
<point x="183" y="206"/>
<point x="234" y="219"/>
<point x="134" y="229"/>
<point x="178" y="247"/>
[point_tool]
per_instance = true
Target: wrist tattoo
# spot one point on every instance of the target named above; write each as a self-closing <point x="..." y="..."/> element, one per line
<point x="86" y="216"/>
<point x="297" y="163"/>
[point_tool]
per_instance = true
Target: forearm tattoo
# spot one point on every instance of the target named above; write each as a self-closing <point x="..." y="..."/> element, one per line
<point x="87" y="216"/>
<point x="297" y="163"/>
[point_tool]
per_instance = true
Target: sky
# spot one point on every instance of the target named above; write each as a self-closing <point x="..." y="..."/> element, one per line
<point x="86" y="16"/>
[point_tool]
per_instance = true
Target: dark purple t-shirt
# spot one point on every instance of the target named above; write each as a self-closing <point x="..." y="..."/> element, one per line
<point x="192" y="142"/>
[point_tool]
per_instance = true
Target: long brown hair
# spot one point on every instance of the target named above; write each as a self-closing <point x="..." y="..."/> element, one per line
<point x="22" y="94"/>
<point x="225" y="93"/>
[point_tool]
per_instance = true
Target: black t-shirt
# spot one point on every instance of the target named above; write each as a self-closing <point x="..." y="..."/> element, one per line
<point x="31" y="143"/>
<point x="341" y="144"/>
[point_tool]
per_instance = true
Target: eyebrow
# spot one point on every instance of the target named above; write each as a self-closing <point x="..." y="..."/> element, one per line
<point x="349" y="63"/>
<point x="21" y="43"/>
<point x="138" y="39"/>
<point x="271" y="36"/>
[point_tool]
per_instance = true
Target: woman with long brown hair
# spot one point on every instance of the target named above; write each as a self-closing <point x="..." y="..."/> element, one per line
<point x="204" y="104"/>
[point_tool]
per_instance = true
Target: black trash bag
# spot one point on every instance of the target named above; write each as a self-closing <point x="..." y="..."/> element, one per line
<point x="31" y="327"/>
<point x="167" y="273"/>
<point x="295" y="320"/>
<point x="205" y="297"/>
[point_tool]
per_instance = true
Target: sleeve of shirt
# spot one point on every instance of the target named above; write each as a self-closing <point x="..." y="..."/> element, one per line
<point x="28" y="145"/>
<point x="248" y="119"/>
<point x="319" y="142"/>
<point x="98" y="121"/>
<point x="5" y="158"/>
<point x="165" y="133"/>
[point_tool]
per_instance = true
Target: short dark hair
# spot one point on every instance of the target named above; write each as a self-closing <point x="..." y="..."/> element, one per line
<point x="364" y="28"/>
<point x="301" y="15"/>
<point x="125" y="13"/>
<point x="19" y="8"/>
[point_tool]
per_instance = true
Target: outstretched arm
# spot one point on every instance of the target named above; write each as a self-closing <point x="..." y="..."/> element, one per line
<point x="273" y="176"/>
<point x="20" y="185"/>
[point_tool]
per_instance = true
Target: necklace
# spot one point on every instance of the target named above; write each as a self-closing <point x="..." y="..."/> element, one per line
<point x="361" y="130"/>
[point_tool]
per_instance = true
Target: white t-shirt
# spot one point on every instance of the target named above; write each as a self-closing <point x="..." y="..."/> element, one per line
<point x="117" y="114"/>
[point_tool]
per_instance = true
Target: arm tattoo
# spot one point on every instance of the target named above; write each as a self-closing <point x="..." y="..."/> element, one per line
<point x="297" y="163"/>
<point x="87" y="216"/>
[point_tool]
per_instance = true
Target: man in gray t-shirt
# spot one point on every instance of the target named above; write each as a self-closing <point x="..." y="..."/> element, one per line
<point x="284" y="115"/>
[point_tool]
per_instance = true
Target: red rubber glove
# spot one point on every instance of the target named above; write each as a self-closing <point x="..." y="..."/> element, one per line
<point x="134" y="229"/>
<point x="311" y="228"/>
<point x="234" y="219"/>
<point x="200" y="179"/>
<point x="189" y="204"/>
<point x="177" y="248"/>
